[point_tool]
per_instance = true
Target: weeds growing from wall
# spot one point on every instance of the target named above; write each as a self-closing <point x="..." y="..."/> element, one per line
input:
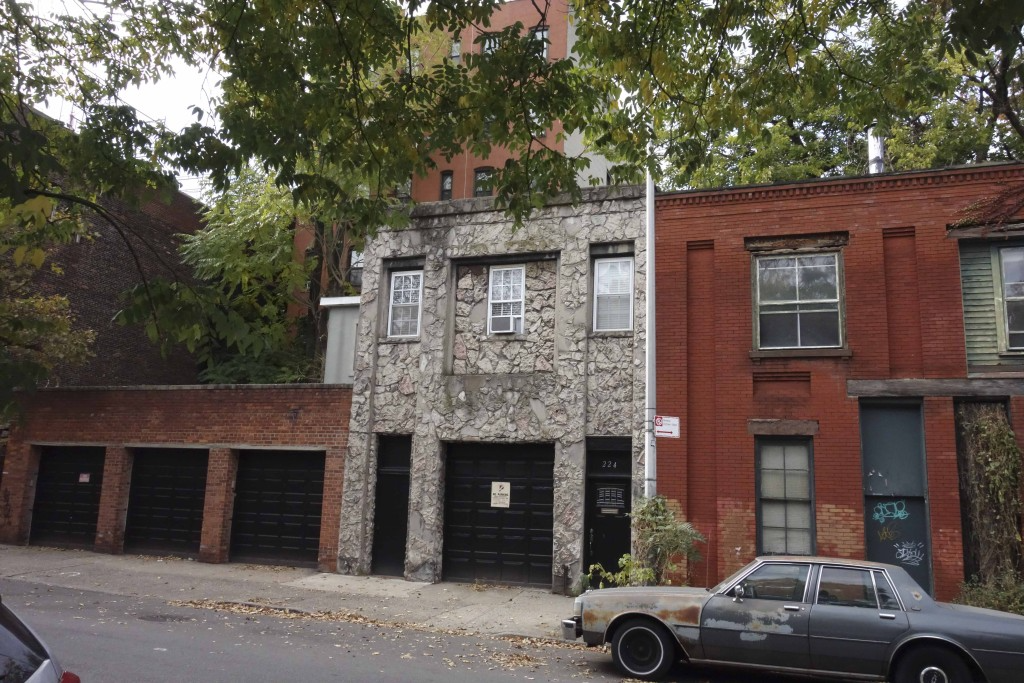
<point x="990" y="483"/>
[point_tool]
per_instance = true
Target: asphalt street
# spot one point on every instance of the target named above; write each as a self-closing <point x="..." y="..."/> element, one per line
<point x="111" y="638"/>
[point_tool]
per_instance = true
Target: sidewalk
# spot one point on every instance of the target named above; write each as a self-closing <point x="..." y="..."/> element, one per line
<point x="492" y="610"/>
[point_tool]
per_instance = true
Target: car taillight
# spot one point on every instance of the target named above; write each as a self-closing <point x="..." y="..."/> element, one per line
<point x="68" y="677"/>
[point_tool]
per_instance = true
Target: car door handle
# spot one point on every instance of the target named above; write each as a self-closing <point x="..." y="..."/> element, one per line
<point x="791" y="608"/>
<point x="886" y="615"/>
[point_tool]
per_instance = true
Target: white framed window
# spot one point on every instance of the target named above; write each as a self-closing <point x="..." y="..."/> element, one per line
<point x="539" y="35"/>
<point x="1011" y="264"/>
<point x="405" y="303"/>
<point x="455" y="54"/>
<point x="490" y="43"/>
<point x="785" y="524"/>
<point x="613" y="294"/>
<point x="505" y="300"/>
<point x="798" y="301"/>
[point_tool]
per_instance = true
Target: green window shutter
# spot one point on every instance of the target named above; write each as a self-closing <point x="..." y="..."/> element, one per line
<point x="981" y="322"/>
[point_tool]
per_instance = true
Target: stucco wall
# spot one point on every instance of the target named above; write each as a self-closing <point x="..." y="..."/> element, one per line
<point x="557" y="382"/>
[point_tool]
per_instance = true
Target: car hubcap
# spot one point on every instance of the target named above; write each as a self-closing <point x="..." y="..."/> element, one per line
<point x="934" y="674"/>
<point x="643" y="652"/>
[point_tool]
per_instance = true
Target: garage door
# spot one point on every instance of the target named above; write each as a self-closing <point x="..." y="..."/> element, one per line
<point x="485" y="541"/>
<point x="67" y="502"/>
<point x="278" y="500"/>
<point x="165" y="503"/>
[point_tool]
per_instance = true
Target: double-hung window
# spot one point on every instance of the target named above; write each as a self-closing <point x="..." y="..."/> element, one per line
<point x="785" y="504"/>
<point x="447" y="183"/>
<point x="798" y="300"/>
<point x="613" y="294"/>
<point x="355" y="268"/>
<point x="1011" y="261"/>
<point x="539" y="36"/>
<point x="405" y="303"/>
<point x="505" y="300"/>
<point x="491" y="42"/>
<point x="482" y="185"/>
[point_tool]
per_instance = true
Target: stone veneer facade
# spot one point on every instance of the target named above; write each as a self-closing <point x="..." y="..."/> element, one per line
<point x="557" y="382"/>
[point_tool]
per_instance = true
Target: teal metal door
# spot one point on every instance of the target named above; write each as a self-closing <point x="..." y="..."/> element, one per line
<point x="895" y="487"/>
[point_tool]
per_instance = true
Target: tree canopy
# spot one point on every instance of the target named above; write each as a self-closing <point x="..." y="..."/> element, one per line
<point x="336" y="100"/>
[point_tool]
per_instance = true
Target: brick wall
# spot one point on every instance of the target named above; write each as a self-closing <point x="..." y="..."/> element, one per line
<point x="224" y="419"/>
<point x="903" y="320"/>
<point x="97" y="271"/>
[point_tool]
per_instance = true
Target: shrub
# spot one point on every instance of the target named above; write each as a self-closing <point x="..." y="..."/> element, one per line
<point x="1004" y="592"/>
<point x="659" y="538"/>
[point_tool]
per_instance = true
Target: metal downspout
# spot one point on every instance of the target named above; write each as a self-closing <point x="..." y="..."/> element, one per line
<point x="650" y="360"/>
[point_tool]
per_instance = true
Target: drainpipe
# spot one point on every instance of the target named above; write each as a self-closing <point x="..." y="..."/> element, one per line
<point x="650" y="399"/>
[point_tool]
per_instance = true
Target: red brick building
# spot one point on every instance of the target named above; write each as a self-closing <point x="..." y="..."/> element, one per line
<point x="212" y="472"/>
<point x="465" y="175"/>
<point x="811" y="339"/>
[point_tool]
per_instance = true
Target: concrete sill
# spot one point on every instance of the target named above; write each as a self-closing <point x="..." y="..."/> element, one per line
<point x="762" y="354"/>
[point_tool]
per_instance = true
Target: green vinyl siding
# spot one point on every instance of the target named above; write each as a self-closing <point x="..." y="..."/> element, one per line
<point x="979" y="273"/>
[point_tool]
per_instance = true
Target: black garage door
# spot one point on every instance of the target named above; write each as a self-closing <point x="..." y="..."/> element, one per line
<point x="278" y="499"/>
<point x="165" y="503"/>
<point x="484" y="541"/>
<point x="67" y="502"/>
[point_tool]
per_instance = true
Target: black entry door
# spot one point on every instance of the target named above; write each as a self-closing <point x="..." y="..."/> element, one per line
<point x="391" y="505"/>
<point x="484" y="539"/>
<point x="67" y="503"/>
<point x="278" y="502"/>
<point x="608" y="502"/>
<point x="165" y="502"/>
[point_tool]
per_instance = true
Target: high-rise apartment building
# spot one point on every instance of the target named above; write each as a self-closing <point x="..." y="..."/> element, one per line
<point x="465" y="174"/>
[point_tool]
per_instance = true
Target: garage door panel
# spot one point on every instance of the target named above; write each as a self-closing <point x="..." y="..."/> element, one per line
<point x="509" y="545"/>
<point x="67" y="501"/>
<point x="166" y="500"/>
<point x="278" y="505"/>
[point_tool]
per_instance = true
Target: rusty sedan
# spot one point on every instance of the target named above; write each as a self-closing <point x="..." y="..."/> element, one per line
<point x="804" y="615"/>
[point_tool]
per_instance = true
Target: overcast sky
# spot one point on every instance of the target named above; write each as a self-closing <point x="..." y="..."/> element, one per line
<point x="169" y="101"/>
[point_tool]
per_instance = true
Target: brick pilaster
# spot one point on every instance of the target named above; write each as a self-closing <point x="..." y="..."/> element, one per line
<point x="218" y="505"/>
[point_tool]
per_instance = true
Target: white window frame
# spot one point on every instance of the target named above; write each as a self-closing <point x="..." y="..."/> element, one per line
<point x="491" y="43"/>
<point x="455" y="53"/>
<point x="1004" y="298"/>
<point x="835" y="304"/>
<point x="598" y="262"/>
<point x="514" y="300"/>
<point x="392" y="305"/>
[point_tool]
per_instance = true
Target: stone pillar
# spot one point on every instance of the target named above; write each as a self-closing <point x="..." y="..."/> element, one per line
<point x="218" y="506"/>
<point x="426" y="509"/>
<point x="18" y="490"/>
<point x="117" y="477"/>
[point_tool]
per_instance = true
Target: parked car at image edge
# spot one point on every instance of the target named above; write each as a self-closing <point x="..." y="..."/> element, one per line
<point x="23" y="656"/>
<point x="804" y="615"/>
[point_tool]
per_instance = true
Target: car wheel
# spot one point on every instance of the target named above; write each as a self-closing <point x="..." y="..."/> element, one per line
<point x="931" y="664"/>
<point x="642" y="649"/>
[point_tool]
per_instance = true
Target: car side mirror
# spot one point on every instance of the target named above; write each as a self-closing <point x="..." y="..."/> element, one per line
<point x="738" y="593"/>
